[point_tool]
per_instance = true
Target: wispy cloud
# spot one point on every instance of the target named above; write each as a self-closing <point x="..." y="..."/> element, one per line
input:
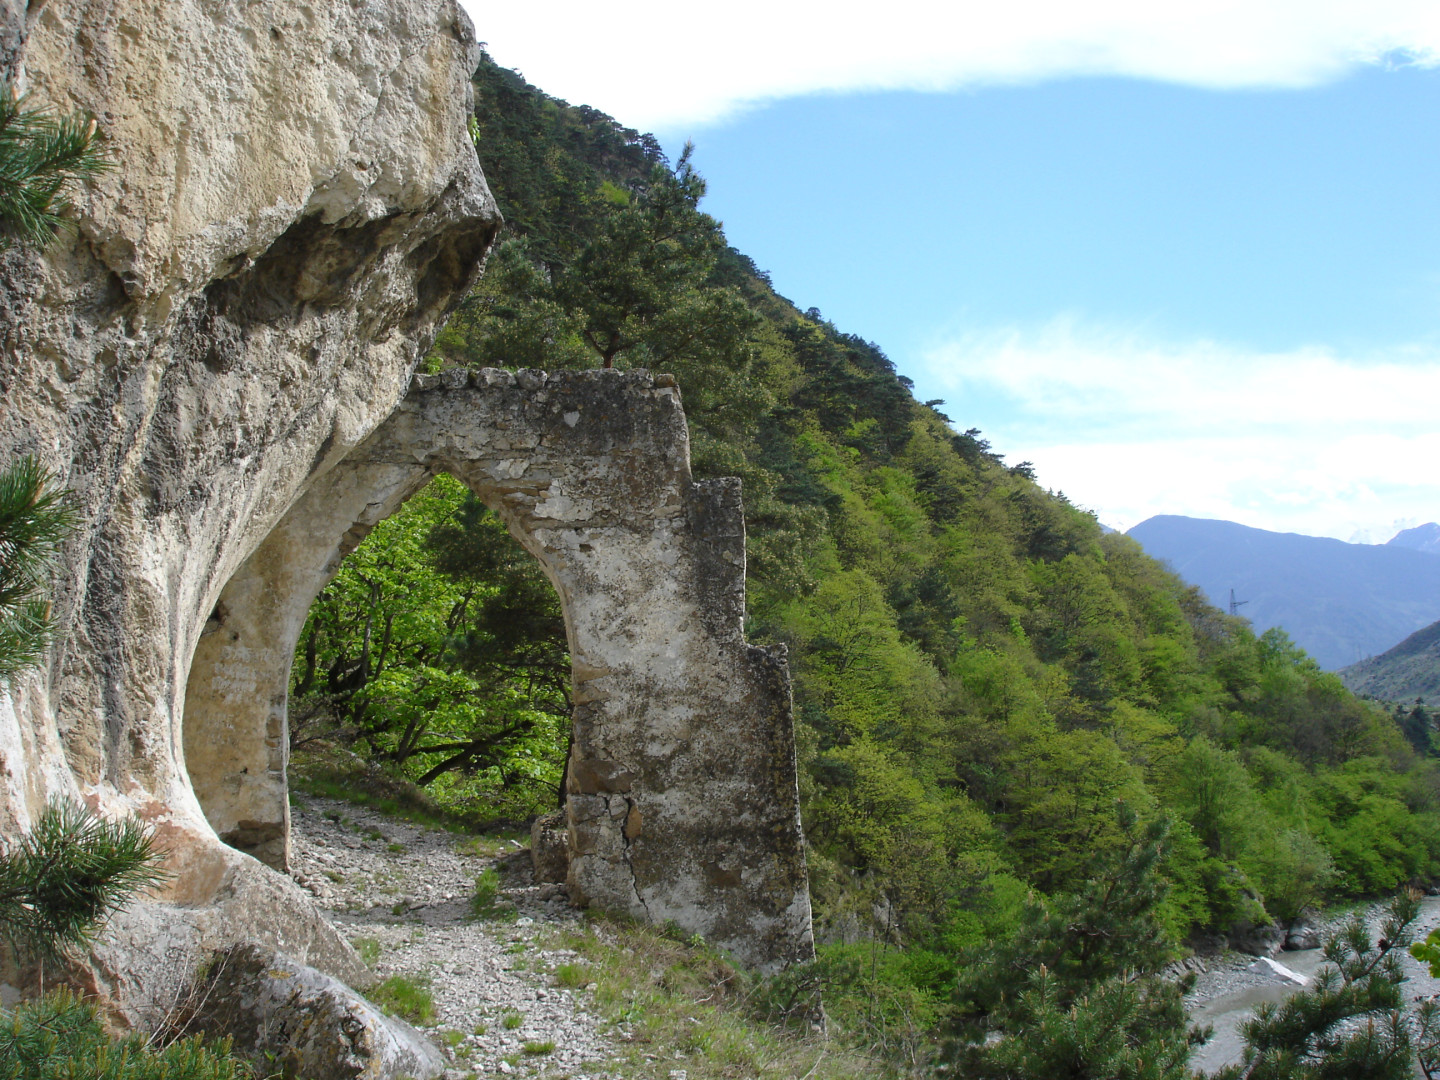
<point x="661" y="66"/>
<point x="1305" y="441"/>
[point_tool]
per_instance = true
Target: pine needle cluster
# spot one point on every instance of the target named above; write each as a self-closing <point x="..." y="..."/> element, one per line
<point x="68" y="875"/>
<point x="34" y="518"/>
<point x="41" y="155"/>
<point x="57" y="884"/>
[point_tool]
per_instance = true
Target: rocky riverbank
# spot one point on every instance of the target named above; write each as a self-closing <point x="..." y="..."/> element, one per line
<point x="1230" y="985"/>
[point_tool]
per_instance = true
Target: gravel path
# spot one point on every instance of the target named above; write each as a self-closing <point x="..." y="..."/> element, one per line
<point x="404" y="892"/>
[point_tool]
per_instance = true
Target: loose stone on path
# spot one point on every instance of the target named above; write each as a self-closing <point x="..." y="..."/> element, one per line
<point x="408" y="889"/>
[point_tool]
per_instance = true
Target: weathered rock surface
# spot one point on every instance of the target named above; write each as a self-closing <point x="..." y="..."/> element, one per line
<point x="218" y="363"/>
<point x="550" y="847"/>
<point x="1264" y="939"/>
<point x="1303" y="935"/>
<point x="296" y="207"/>
<point x="286" y="1015"/>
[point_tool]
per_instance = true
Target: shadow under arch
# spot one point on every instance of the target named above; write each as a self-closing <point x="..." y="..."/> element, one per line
<point x="682" y="802"/>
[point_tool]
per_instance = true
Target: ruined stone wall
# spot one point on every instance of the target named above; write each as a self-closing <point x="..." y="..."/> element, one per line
<point x="682" y="797"/>
<point x="296" y="206"/>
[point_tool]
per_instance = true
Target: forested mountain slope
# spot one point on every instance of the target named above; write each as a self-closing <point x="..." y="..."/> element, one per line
<point x="1408" y="671"/>
<point x="1341" y="602"/>
<point x="981" y="677"/>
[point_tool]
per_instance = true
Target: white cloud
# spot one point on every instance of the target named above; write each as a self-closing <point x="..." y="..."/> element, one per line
<point x="661" y="65"/>
<point x="1303" y="441"/>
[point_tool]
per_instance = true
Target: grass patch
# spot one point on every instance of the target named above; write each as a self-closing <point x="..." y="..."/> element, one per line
<point x="486" y="903"/>
<point x="481" y="1029"/>
<point x="573" y="976"/>
<point x="368" y="948"/>
<point x="669" y="996"/>
<point x="452" y="1038"/>
<point x="407" y="997"/>
<point x="322" y="771"/>
<point x="492" y="845"/>
<point x="511" y="1021"/>
<point x="535" y="1049"/>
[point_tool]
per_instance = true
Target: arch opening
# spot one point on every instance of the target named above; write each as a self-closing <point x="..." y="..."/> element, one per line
<point x="439" y="650"/>
<point x="681" y="796"/>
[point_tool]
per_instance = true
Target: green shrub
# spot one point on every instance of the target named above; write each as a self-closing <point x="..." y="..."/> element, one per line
<point x="59" y="1037"/>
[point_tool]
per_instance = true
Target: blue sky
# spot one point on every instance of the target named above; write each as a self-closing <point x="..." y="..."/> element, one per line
<point x="1184" y="263"/>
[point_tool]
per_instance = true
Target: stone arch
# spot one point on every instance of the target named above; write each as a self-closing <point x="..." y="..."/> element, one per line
<point x="682" y="800"/>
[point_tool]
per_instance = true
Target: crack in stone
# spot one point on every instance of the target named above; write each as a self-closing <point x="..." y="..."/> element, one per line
<point x="629" y="864"/>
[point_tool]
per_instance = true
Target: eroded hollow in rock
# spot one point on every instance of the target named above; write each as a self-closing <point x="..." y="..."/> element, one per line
<point x="681" y="789"/>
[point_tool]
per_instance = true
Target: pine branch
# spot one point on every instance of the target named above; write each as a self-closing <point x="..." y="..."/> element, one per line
<point x="34" y="519"/>
<point x="41" y="156"/>
<point x="69" y="874"/>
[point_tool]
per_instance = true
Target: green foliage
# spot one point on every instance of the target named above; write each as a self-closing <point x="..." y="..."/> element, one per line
<point x="639" y="289"/>
<point x="408" y="997"/>
<point x="1075" y="990"/>
<point x="439" y="648"/>
<point x="41" y="155"/>
<point x="68" y="874"/>
<point x="34" y="518"/>
<point x="1428" y="952"/>
<point x="60" y="1037"/>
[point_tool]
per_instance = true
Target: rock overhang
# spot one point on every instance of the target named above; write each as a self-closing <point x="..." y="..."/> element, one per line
<point x="240" y="312"/>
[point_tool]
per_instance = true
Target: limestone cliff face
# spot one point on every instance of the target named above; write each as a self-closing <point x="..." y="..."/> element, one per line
<point x="295" y="208"/>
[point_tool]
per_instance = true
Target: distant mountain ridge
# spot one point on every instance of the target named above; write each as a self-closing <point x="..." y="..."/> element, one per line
<point x="1408" y="671"/>
<point x="1340" y="602"/>
<point x="1421" y="538"/>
